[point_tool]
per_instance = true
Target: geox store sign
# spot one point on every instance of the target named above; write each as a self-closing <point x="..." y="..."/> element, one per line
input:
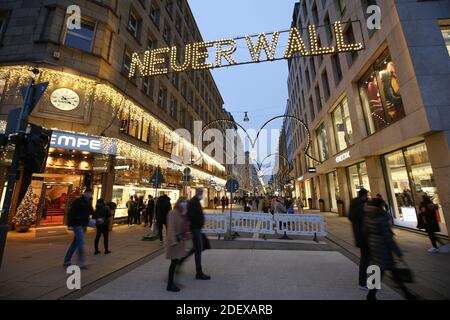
<point x="71" y="141"/>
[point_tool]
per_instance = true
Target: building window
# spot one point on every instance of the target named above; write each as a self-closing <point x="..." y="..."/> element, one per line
<point x="349" y="37"/>
<point x="167" y="34"/>
<point x="155" y="14"/>
<point x="342" y="124"/>
<point x="318" y="99"/>
<point x="325" y="85"/>
<point x="337" y="70"/>
<point x="358" y="178"/>
<point x="445" y="33"/>
<point x="410" y="176"/>
<point x="82" y="39"/>
<point x="3" y="22"/>
<point x="127" y="57"/>
<point x="147" y="86"/>
<point x="340" y="7"/>
<point x="365" y="5"/>
<point x="134" y="24"/>
<point x="322" y="142"/>
<point x="162" y="98"/>
<point x="169" y="7"/>
<point x="380" y="95"/>
<point x="173" y="112"/>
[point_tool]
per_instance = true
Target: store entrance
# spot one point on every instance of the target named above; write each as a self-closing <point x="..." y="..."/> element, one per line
<point x="54" y="194"/>
<point x="54" y="204"/>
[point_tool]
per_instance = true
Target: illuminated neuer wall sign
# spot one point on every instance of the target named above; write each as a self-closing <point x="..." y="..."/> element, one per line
<point x="223" y="52"/>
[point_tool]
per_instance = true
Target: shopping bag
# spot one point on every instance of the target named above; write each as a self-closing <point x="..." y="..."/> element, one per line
<point x="92" y="223"/>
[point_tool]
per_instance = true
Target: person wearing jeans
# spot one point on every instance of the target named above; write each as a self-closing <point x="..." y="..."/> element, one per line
<point x="78" y="219"/>
<point x="77" y="244"/>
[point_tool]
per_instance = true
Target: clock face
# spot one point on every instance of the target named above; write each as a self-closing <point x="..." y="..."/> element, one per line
<point x="65" y="99"/>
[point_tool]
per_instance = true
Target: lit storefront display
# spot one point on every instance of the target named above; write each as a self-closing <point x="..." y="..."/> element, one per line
<point x="322" y="142"/>
<point x="342" y="124"/>
<point x="410" y="176"/>
<point x="358" y="178"/>
<point x="380" y="95"/>
<point x="333" y="190"/>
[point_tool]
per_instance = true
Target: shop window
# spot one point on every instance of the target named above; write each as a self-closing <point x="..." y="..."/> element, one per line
<point x="342" y="124"/>
<point x="380" y="95"/>
<point x="410" y="176"/>
<point x="322" y="142"/>
<point x="146" y="132"/>
<point x="333" y="189"/>
<point x="445" y="33"/>
<point x="83" y="38"/>
<point x="358" y="178"/>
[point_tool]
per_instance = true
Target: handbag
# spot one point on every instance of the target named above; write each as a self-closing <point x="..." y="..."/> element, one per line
<point x="404" y="275"/>
<point x="92" y="223"/>
<point x="206" y="245"/>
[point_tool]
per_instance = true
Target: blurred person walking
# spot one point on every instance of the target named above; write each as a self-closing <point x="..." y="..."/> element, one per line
<point x="356" y="216"/>
<point x="78" y="219"/>
<point x="178" y="232"/>
<point x="163" y="207"/>
<point x="382" y="246"/>
<point x="102" y="216"/>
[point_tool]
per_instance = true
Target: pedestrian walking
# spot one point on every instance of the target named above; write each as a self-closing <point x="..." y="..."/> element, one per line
<point x="429" y="221"/>
<point x="382" y="246"/>
<point x="131" y="208"/>
<point x="102" y="216"/>
<point x="300" y="205"/>
<point x="163" y="207"/>
<point x="356" y="216"/>
<point x="227" y="202"/>
<point x="178" y="232"/>
<point x="200" y="242"/>
<point x="223" y="202"/>
<point x="78" y="219"/>
<point x="149" y="211"/>
<point x="140" y="210"/>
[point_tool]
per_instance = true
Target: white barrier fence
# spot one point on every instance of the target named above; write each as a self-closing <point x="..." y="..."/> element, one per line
<point x="299" y="224"/>
<point x="265" y="223"/>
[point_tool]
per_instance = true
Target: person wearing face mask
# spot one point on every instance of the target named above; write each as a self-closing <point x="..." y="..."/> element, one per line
<point x="78" y="219"/>
<point x="199" y="240"/>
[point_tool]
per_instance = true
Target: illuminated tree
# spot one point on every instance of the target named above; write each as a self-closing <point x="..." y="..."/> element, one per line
<point x="25" y="214"/>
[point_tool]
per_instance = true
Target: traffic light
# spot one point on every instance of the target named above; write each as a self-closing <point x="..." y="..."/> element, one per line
<point x="35" y="149"/>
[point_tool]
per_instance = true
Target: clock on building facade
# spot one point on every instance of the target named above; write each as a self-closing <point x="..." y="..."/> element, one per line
<point x="65" y="99"/>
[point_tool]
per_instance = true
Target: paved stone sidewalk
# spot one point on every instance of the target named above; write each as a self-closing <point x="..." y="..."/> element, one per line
<point x="32" y="267"/>
<point x="246" y="275"/>
<point x="432" y="271"/>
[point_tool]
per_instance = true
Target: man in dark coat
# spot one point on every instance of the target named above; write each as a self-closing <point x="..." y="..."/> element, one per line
<point x="78" y="219"/>
<point x="149" y="211"/>
<point x="356" y="216"/>
<point x="382" y="246"/>
<point x="163" y="207"/>
<point x="197" y="220"/>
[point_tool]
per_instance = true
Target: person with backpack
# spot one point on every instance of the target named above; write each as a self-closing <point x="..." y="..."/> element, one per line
<point x="102" y="216"/>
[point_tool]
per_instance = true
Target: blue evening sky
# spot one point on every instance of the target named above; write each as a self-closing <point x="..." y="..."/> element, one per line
<point x="260" y="89"/>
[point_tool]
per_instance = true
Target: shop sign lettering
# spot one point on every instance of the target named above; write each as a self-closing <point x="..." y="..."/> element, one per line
<point x="70" y="141"/>
<point x="343" y="157"/>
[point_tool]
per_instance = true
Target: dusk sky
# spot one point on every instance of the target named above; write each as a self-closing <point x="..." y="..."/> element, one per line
<point x="260" y="89"/>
